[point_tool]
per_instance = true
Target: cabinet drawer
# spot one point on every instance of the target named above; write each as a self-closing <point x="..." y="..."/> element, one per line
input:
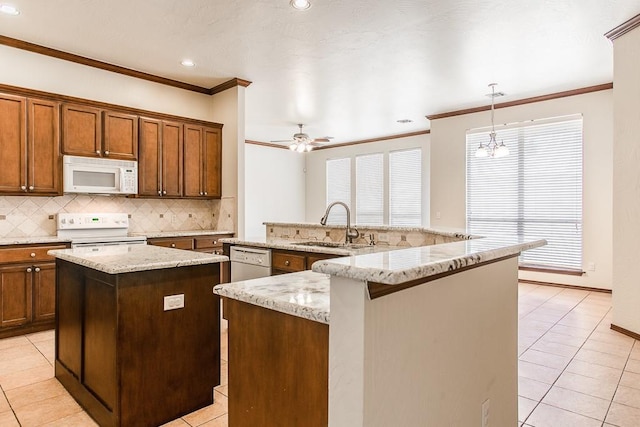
<point x="205" y="242"/>
<point x="287" y="262"/>
<point x="28" y="254"/>
<point x="185" y="243"/>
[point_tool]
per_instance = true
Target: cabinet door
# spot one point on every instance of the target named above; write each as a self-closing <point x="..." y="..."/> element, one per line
<point x="212" y="174"/>
<point x="81" y="135"/>
<point x="43" y="155"/>
<point x="15" y="295"/>
<point x="120" y="136"/>
<point x="193" y="161"/>
<point x="44" y="292"/>
<point x="149" y="165"/>
<point x="13" y="144"/>
<point x="172" y="149"/>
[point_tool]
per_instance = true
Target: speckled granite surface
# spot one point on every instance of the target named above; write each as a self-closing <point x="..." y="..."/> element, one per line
<point x="293" y="245"/>
<point x="6" y="241"/>
<point x="402" y="265"/>
<point x="129" y="258"/>
<point x="304" y="294"/>
<point x="185" y="233"/>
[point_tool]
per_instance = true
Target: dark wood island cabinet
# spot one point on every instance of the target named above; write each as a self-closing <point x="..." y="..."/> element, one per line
<point x="128" y="350"/>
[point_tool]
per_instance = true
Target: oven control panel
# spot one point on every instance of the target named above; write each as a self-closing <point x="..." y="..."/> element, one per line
<point x="87" y="221"/>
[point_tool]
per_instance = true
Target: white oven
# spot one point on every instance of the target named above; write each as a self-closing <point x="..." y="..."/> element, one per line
<point x="99" y="176"/>
<point x="91" y="231"/>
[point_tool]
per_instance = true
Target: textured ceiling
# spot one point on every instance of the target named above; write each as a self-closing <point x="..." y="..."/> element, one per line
<point x="348" y="69"/>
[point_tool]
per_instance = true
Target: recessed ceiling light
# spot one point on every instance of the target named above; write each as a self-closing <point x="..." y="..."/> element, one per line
<point x="300" y="4"/>
<point x="188" y="63"/>
<point x="9" y="10"/>
<point x="404" y="121"/>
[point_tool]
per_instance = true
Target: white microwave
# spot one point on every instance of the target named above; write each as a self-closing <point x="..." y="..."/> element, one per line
<point x="99" y="176"/>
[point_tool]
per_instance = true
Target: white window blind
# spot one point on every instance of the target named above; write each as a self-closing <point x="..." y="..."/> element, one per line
<point x="370" y="189"/>
<point x="536" y="191"/>
<point x="338" y="188"/>
<point x="405" y="187"/>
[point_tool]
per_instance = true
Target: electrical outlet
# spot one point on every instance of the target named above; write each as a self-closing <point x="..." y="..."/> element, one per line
<point x="591" y="266"/>
<point x="174" y="218"/>
<point x="383" y="237"/>
<point x="485" y="413"/>
<point x="438" y="215"/>
<point x="173" y="302"/>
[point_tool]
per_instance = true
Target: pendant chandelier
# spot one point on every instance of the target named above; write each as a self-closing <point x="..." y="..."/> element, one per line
<point x="492" y="148"/>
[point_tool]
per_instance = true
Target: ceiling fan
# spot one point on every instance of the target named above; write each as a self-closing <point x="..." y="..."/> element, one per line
<point x="301" y="141"/>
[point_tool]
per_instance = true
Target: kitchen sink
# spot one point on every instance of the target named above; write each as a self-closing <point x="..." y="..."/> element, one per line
<point x="333" y="245"/>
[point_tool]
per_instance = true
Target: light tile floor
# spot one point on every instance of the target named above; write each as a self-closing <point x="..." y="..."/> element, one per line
<point x="573" y="370"/>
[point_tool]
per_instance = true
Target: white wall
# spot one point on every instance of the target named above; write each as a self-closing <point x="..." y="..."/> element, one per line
<point x="316" y="188"/>
<point x="626" y="179"/>
<point x="274" y="187"/>
<point x="448" y="175"/>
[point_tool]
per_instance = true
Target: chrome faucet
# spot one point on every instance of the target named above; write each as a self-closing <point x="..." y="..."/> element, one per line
<point x="352" y="233"/>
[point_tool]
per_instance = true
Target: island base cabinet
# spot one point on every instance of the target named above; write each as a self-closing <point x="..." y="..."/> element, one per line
<point x="278" y="368"/>
<point x="127" y="360"/>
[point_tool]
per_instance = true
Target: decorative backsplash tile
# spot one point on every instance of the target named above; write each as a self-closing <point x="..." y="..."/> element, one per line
<point x="24" y="216"/>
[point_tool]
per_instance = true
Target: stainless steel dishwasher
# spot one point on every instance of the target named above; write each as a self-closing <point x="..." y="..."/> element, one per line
<point x="249" y="263"/>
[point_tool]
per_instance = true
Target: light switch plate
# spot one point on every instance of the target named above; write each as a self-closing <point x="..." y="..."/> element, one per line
<point x="173" y="302"/>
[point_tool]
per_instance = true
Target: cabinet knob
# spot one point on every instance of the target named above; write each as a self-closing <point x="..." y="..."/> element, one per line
<point x="37" y="269"/>
<point x="31" y="187"/>
<point x="205" y="193"/>
<point x="106" y="153"/>
<point x="159" y="193"/>
<point x="173" y="245"/>
<point x="23" y="187"/>
<point x="215" y="242"/>
<point x="29" y="270"/>
<point x="287" y="262"/>
<point x="201" y="193"/>
<point x="32" y="255"/>
<point x="164" y="192"/>
<point x="98" y="152"/>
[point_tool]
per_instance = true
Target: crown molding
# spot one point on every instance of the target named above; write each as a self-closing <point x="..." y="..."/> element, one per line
<point x="623" y="28"/>
<point x="524" y="101"/>
<point x="66" y="56"/>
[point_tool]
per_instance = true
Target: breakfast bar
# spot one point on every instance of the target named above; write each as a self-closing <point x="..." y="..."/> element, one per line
<point x="416" y="336"/>
<point x="137" y="331"/>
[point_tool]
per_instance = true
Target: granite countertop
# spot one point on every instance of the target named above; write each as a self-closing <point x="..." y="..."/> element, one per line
<point x="130" y="258"/>
<point x="293" y="245"/>
<point x="458" y="233"/>
<point x="34" y="240"/>
<point x="304" y="294"/>
<point x="402" y="265"/>
<point x="181" y="233"/>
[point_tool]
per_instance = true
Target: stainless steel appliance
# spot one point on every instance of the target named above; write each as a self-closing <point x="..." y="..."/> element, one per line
<point x="94" y="230"/>
<point x="249" y="263"/>
<point x="99" y="176"/>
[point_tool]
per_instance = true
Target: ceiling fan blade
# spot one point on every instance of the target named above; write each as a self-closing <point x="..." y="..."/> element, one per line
<point x="321" y="140"/>
<point x="284" y="140"/>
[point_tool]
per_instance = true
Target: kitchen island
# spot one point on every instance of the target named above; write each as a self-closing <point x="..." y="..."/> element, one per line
<point x="137" y="331"/>
<point x="418" y="336"/>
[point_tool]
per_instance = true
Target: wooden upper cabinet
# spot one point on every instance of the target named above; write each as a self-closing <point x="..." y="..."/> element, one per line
<point x="193" y="161"/>
<point x="81" y="130"/>
<point x="202" y="162"/>
<point x="212" y="176"/>
<point x="172" y="165"/>
<point x="120" y="139"/>
<point x="13" y="144"/>
<point x="43" y="142"/>
<point x="160" y="162"/>
<point x="149" y="164"/>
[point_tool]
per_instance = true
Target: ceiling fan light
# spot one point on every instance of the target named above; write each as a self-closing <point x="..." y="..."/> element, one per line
<point x="293" y="146"/>
<point x="482" y="151"/>
<point x="300" y="148"/>
<point x="308" y="147"/>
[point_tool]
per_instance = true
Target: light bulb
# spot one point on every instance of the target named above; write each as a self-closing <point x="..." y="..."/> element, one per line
<point x="300" y="148"/>
<point x="300" y="4"/>
<point x="502" y="150"/>
<point x="9" y="10"/>
<point x="308" y="147"/>
<point x="482" y="151"/>
<point x="293" y="147"/>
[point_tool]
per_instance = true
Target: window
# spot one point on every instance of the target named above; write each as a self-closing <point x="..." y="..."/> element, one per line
<point x="405" y="187"/>
<point x="338" y="188"/>
<point x="387" y="188"/>
<point x="535" y="192"/>
<point x="369" y="189"/>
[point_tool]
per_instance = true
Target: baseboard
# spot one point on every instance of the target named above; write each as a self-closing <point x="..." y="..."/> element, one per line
<point x="625" y="332"/>
<point x="560" y="285"/>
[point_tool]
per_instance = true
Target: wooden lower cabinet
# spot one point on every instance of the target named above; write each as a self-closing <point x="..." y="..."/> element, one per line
<point x="278" y="368"/>
<point x="27" y="289"/>
<point x="283" y="261"/>
<point x="126" y="360"/>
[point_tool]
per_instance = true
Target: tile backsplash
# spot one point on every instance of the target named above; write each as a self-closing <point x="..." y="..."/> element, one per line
<point x="25" y="216"/>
